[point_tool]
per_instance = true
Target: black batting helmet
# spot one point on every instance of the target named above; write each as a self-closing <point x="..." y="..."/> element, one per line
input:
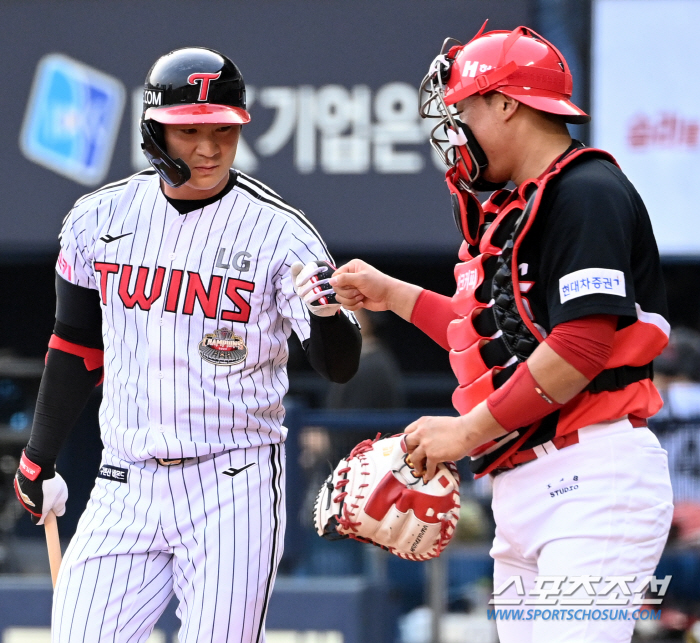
<point x="188" y="85"/>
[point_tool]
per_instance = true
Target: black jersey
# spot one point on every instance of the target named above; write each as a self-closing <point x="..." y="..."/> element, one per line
<point x="591" y="249"/>
<point x="587" y="249"/>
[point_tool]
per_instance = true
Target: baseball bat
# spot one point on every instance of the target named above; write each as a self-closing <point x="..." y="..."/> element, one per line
<point x="53" y="544"/>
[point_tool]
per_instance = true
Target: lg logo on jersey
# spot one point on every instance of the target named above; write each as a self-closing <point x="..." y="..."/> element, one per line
<point x="241" y="260"/>
<point x="194" y="289"/>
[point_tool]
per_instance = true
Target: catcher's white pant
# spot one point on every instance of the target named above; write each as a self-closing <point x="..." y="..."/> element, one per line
<point x="214" y="539"/>
<point x="602" y="507"/>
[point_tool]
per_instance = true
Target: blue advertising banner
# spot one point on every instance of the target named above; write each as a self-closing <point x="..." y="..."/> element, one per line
<point x="332" y="92"/>
<point x="72" y="119"/>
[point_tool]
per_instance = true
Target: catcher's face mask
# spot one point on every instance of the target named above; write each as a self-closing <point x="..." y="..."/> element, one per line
<point x="457" y="146"/>
<point x="453" y="141"/>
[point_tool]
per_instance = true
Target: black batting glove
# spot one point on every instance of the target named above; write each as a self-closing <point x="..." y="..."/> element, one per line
<point x="40" y="489"/>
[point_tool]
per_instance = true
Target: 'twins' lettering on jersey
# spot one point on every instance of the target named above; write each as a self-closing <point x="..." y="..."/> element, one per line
<point x="209" y="297"/>
<point x="167" y="281"/>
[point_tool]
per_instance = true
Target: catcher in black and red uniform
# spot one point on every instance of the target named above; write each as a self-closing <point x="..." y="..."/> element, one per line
<point x="559" y="311"/>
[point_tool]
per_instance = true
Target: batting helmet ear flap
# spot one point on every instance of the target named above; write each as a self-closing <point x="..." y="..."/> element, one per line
<point x="173" y="171"/>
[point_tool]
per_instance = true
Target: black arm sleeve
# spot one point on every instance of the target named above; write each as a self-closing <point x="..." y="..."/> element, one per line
<point x="333" y="348"/>
<point x="66" y="383"/>
<point x="78" y="314"/>
<point x="65" y="388"/>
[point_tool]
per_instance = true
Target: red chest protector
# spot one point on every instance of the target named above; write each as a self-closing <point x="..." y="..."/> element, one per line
<point x="496" y="329"/>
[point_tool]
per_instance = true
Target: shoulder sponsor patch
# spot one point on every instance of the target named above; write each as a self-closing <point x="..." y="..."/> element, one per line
<point x="64" y="267"/>
<point x="592" y="281"/>
<point x="113" y="473"/>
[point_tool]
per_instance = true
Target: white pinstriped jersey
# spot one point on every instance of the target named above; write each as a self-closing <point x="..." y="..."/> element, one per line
<point x="165" y="281"/>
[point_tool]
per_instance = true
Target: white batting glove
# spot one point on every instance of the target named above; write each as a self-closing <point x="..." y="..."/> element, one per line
<point x="55" y="497"/>
<point x="311" y="284"/>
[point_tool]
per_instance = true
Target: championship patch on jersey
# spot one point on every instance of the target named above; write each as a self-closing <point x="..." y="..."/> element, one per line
<point x="592" y="281"/>
<point x="223" y="348"/>
<point x="113" y="473"/>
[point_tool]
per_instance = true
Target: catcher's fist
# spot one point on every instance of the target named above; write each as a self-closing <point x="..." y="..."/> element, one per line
<point x="311" y="284"/>
<point x="40" y="490"/>
<point x="432" y="440"/>
<point x="359" y="285"/>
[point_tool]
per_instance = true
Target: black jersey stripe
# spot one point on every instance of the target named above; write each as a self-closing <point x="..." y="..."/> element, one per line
<point x="283" y="208"/>
<point x="115" y="184"/>
<point x="276" y="198"/>
<point x="270" y="198"/>
<point x="282" y="204"/>
<point x="275" y="453"/>
<point x="262" y="186"/>
<point x="270" y="193"/>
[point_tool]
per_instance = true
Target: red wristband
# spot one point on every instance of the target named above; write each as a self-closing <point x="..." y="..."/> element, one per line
<point x="520" y="401"/>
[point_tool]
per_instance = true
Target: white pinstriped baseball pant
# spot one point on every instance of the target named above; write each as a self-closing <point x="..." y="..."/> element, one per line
<point x="211" y="539"/>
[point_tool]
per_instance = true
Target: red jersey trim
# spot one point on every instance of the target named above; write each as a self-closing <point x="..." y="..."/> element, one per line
<point x="585" y="343"/>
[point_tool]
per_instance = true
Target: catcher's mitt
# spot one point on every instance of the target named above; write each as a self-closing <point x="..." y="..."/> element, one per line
<point x="373" y="496"/>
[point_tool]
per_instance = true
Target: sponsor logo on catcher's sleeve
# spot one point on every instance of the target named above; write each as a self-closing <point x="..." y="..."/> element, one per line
<point x="592" y="281"/>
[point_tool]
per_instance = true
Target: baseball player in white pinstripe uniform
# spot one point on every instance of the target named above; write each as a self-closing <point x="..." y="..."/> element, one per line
<point x="180" y="287"/>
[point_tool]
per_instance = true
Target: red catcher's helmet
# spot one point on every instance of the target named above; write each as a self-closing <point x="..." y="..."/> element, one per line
<point x="520" y="64"/>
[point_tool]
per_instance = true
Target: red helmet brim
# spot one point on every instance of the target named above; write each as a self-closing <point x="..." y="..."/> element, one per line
<point x="195" y="114"/>
<point x="559" y="106"/>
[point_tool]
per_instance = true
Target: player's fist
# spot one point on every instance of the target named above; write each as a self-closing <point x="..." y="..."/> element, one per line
<point x="311" y="284"/>
<point x="359" y="285"/>
<point x="431" y="440"/>
<point x="40" y="491"/>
